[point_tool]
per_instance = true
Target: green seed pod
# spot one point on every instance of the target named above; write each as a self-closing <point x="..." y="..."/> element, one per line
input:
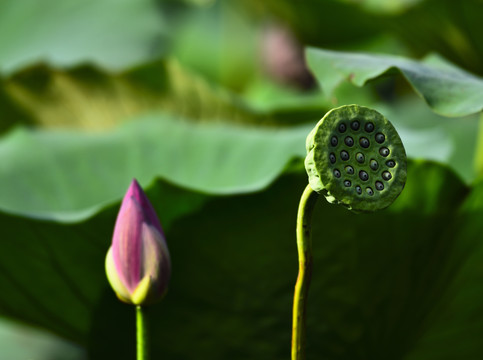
<point x="356" y="158"/>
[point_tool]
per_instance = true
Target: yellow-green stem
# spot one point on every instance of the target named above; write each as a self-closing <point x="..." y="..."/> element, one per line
<point x="304" y="247"/>
<point x="479" y="149"/>
<point x="141" y="334"/>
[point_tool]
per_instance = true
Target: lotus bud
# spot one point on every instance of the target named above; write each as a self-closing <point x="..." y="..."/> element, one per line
<point x="138" y="264"/>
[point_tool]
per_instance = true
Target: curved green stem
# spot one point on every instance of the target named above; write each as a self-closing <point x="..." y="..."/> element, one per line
<point x="141" y="334"/>
<point x="304" y="247"/>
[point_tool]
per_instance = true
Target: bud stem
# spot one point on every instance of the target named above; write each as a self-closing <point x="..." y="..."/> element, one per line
<point x="141" y="334"/>
<point x="304" y="247"/>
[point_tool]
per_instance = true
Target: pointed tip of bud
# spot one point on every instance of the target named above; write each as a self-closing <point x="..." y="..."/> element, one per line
<point x="138" y="251"/>
<point x="134" y="190"/>
<point x="136" y="193"/>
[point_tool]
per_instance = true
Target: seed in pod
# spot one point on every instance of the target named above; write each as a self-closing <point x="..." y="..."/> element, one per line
<point x="364" y="142"/>
<point x="386" y="175"/>
<point x="349" y="169"/>
<point x="332" y="158"/>
<point x="379" y="186"/>
<point x="363" y="175"/>
<point x="344" y="155"/>
<point x="384" y="151"/>
<point x="374" y="164"/>
<point x="380" y="138"/>
<point x="369" y="127"/>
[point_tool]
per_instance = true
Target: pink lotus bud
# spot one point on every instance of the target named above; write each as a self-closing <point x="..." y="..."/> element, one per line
<point x="138" y="264"/>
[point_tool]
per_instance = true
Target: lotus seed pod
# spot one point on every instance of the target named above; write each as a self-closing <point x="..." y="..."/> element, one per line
<point x="356" y="158"/>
